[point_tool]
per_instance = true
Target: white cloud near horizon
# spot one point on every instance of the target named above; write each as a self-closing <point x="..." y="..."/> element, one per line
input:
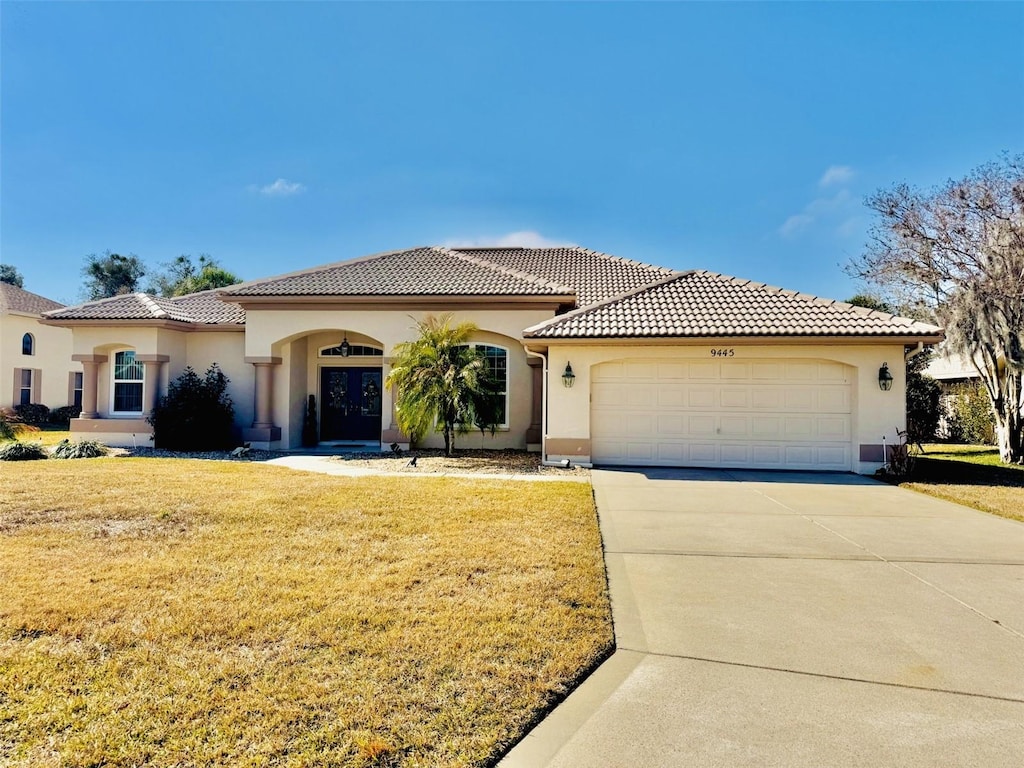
<point x="836" y="174"/>
<point x="526" y="238"/>
<point x="282" y="188"/>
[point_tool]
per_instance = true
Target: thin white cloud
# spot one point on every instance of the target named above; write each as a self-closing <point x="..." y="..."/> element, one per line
<point x="825" y="208"/>
<point x="522" y="239"/>
<point x="795" y="223"/>
<point x="835" y="174"/>
<point x="282" y="188"/>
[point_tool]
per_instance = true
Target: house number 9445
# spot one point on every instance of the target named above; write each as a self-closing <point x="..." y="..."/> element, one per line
<point x="723" y="352"/>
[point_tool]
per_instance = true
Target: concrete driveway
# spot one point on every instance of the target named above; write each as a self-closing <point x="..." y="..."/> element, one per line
<point x="797" y="619"/>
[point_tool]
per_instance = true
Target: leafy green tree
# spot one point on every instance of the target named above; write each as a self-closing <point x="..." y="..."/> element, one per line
<point x="958" y="250"/>
<point x="10" y="274"/>
<point x="183" y="276"/>
<point x="111" y="275"/>
<point x="443" y="383"/>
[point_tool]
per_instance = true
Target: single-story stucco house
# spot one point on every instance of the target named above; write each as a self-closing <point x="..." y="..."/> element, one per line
<point x="35" y="359"/>
<point x="604" y="360"/>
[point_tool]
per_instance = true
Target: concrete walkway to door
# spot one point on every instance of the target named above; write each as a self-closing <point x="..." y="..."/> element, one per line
<point x="797" y="619"/>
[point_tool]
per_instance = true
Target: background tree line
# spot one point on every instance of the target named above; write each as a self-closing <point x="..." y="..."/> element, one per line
<point x="114" y="274"/>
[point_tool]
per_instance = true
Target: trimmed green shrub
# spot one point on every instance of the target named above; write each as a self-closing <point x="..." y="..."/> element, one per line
<point x="969" y="415"/>
<point x="196" y="415"/>
<point x="84" y="449"/>
<point x="33" y="413"/>
<point x="62" y="416"/>
<point x="22" y="452"/>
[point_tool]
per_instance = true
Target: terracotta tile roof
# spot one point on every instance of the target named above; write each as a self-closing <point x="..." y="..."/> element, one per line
<point x="706" y="304"/>
<point x="198" y="308"/>
<point x="15" y="299"/>
<point x="426" y="271"/>
<point x="594" y="276"/>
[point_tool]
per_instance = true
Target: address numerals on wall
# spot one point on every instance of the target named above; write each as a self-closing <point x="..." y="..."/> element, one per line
<point x="729" y="352"/>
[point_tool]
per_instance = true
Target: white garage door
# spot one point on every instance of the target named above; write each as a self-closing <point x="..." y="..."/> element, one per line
<point x="772" y="414"/>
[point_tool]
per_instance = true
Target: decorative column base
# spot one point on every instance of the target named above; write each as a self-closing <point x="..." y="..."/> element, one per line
<point x="256" y="434"/>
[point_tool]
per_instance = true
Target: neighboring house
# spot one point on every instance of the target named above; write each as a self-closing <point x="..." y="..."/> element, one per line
<point x="603" y="360"/>
<point x="35" y="359"/>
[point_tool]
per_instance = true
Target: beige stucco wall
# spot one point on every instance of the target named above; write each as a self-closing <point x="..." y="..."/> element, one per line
<point x="197" y="349"/>
<point x="295" y="336"/>
<point x="52" y="359"/>
<point x="874" y="413"/>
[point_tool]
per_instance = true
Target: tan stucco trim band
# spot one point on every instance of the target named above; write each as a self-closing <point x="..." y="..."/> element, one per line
<point x="568" y="446"/>
<point x="125" y="426"/>
<point x="153" y="358"/>
<point x="256" y="360"/>
<point x="87" y="358"/>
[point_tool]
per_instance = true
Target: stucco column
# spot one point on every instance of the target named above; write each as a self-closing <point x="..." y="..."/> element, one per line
<point x="90" y="373"/>
<point x="151" y="380"/>
<point x="533" y="434"/>
<point x="263" y="429"/>
<point x="390" y="433"/>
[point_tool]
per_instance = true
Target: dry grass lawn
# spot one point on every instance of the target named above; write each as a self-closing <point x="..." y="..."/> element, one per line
<point x="971" y="475"/>
<point x="173" y="612"/>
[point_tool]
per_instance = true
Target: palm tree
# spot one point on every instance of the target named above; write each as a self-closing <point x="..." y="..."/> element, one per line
<point x="442" y="382"/>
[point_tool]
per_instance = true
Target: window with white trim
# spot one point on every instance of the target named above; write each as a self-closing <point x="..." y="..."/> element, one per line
<point x="128" y="381"/>
<point x="28" y="344"/>
<point x="77" y="387"/>
<point x="496" y="359"/>
<point x="25" y="390"/>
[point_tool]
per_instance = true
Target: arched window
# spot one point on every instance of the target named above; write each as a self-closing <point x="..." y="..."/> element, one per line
<point x="28" y="344"/>
<point x="128" y="378"/>
<point x="351" y="350"/>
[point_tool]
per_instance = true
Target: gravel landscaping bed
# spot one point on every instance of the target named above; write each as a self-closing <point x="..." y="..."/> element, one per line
<point x="427" y="461"/>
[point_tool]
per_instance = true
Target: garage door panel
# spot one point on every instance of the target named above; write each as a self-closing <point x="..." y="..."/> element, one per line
<point x="734" y="397"/>
<point x="766" y="371"/>
<point x="701" y="397"/>
<point x="643" y="371"/>
<point x="702" y="370"/>
<point x="834" y="399"/>
<point x="701" y="426"/>
<point x="766" y="427"/>
<point x="734" y="426"/>
<point x="833" y="428"/>
<point x="672" y="395"/>
<point x="766" y="398"/>
<point x="672" y="426"/>
<point x="799" y="428"/>
<point x="731" y="371"/>
<point x="766" y="455"/>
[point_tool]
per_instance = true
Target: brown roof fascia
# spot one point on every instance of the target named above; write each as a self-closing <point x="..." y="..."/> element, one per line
<point x="404" y="301"/>
<point x="540" y="344"/>
<point x="176" y="325"/>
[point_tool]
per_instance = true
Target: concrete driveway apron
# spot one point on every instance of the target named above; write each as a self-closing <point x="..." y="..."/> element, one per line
<point x="797" y="619"/>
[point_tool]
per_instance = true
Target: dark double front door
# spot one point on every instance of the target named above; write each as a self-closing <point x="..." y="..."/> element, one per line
<point x="350" y="401"/>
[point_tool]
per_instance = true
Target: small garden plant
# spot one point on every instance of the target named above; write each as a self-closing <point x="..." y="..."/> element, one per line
<point x="18" y="451"/>
<point x="84" y="449"/>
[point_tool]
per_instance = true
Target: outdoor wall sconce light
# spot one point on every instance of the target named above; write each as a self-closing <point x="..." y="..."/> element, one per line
<point x="568" y="378"/>
<point x="345" y="347"/>
<point x="884" y="378"/>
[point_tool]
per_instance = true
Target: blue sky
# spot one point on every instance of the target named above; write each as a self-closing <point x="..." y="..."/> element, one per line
<point x="736" y="137"/>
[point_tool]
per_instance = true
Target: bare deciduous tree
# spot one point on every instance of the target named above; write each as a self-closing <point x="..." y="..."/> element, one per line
<point x="958" y="251"/>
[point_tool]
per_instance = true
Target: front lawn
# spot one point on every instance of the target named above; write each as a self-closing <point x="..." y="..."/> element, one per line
<point x="182" y="612"/>
<point x="971" y="475"/>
